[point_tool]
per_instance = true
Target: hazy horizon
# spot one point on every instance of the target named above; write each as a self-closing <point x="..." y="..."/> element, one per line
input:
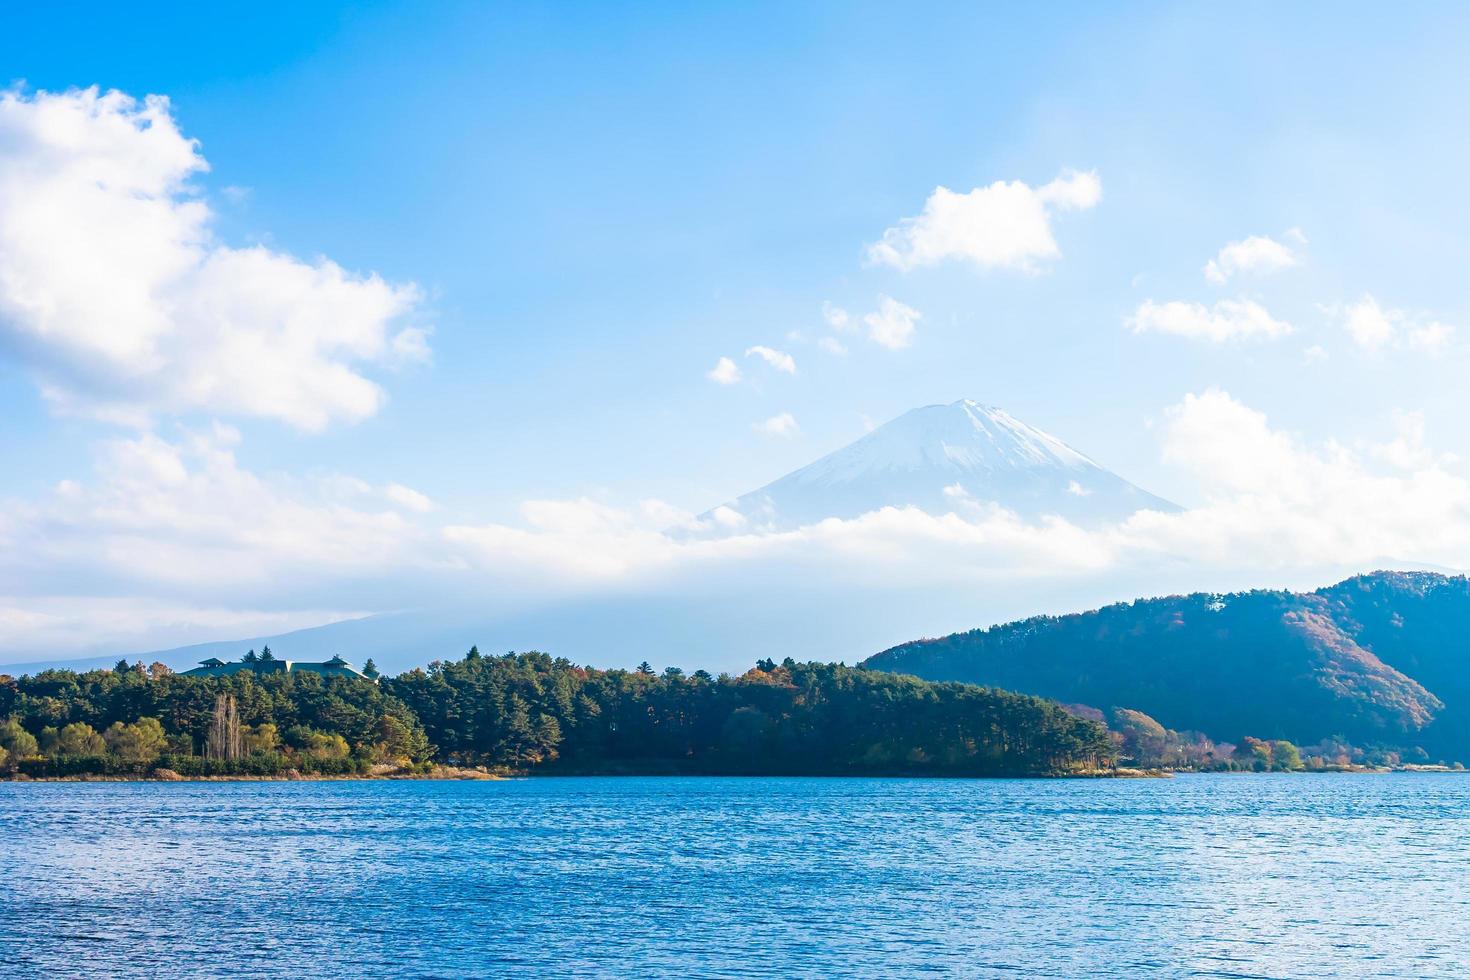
<point x="313" y="314"/>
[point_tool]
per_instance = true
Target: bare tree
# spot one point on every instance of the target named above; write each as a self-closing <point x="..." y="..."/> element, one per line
<point x="224" y="740"/>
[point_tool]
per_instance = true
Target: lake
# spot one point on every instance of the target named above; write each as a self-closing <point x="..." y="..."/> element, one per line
<point x="1208" y="875"/>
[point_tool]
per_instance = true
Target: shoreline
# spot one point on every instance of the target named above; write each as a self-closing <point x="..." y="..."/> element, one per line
<point x="457" y="774"/>
<point x="443" y="773"/>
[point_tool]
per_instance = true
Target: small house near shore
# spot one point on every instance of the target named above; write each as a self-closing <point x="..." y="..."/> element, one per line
<point x="336" y="667"/>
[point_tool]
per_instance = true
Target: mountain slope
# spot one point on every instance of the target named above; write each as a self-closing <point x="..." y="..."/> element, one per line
<point x="941" y="459"/>
<point x="1379" y="659"/>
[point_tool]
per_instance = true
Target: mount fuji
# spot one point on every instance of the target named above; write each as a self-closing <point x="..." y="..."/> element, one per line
<point x="959" y="458"/>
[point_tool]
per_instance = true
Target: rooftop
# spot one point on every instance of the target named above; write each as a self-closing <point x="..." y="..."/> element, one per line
<point x="336" y="667"/>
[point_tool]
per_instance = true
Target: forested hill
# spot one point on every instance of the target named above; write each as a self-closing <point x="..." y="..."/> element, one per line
<point x="530" y="712"/>
<point x="1379" y="659"/>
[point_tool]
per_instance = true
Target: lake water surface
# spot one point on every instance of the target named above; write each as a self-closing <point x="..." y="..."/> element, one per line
<point x="1228" y="876"/>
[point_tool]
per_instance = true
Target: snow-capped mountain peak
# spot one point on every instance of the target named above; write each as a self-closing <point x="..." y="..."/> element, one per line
<point x="942" y="459"/>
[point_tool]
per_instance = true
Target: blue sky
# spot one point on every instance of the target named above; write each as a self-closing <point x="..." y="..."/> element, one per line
<point x="596" y="203"/>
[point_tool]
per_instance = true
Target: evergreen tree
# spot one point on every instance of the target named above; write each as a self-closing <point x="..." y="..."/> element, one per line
<point x="546" y="737"/>
<point x="370" y="669"/>
<point x="520" y="738"/>
<point x="249" y="658"/>
<point x="529" y="710"/>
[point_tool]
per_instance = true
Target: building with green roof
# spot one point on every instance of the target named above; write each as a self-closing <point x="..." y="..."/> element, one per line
<point x="336" y="667"/>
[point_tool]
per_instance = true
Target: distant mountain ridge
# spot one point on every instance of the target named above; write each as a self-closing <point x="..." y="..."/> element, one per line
<point x="956" y="458"/>
<point x="1378" y="659"/>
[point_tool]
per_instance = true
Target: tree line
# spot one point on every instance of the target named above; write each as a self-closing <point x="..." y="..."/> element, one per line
<point x="130" y="720"/>
<point x="530" y="711"/>
<point x="1142" y="742"/>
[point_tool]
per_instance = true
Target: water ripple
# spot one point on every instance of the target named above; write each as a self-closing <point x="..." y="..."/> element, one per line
<point x="1210" y="876"/>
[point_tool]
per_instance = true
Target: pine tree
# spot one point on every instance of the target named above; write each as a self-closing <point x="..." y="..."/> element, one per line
<point x="547" y="736"/>
<point x="370" y="669"/>
<point x="520" y="738"/>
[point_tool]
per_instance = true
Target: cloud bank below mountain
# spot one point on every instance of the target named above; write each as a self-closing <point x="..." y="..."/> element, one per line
<point x="184" y="523"/>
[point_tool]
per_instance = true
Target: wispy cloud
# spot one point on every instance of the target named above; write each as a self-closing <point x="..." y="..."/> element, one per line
<point x="783" y="425"/>
<point x="892" y="324"/>
<point x="835" y="316"/>
<point x="780" y="360"/>
<point x="408" y="498"/>
<point x="1227" y="320"/>
<point x="1373" y="327"/>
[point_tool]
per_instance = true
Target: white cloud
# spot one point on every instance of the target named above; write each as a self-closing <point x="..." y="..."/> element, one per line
<point x="1275" y="501"/>
<point x="892" y="324"/>
<point x="836" y="317"/>
<point x="184" y="514"/>
<point x="1370" y="325"/>
<point x="832" y="346"/>
<point x="780" y="360"/>
<point x="783" y="425"/>
<point x="1226" y="320"/>
<point x="1408" y="450"/>
<point x="662" y="514"/>
<point x="725" y="372"/>
<point x="408" y="498"/>
<point x="1005" y="225"/>
<point x="570" y="541"/>
<point x="1373" y="328"/>
<point x="728" y="517"/>
<point x="411" y="346"/>
<point x="205" y="545"/>
<point x="115" y="292"/>
<point x="1431" y="338"/>
<point x="1230" y="447"/>
<point x="1257" y="254"/>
